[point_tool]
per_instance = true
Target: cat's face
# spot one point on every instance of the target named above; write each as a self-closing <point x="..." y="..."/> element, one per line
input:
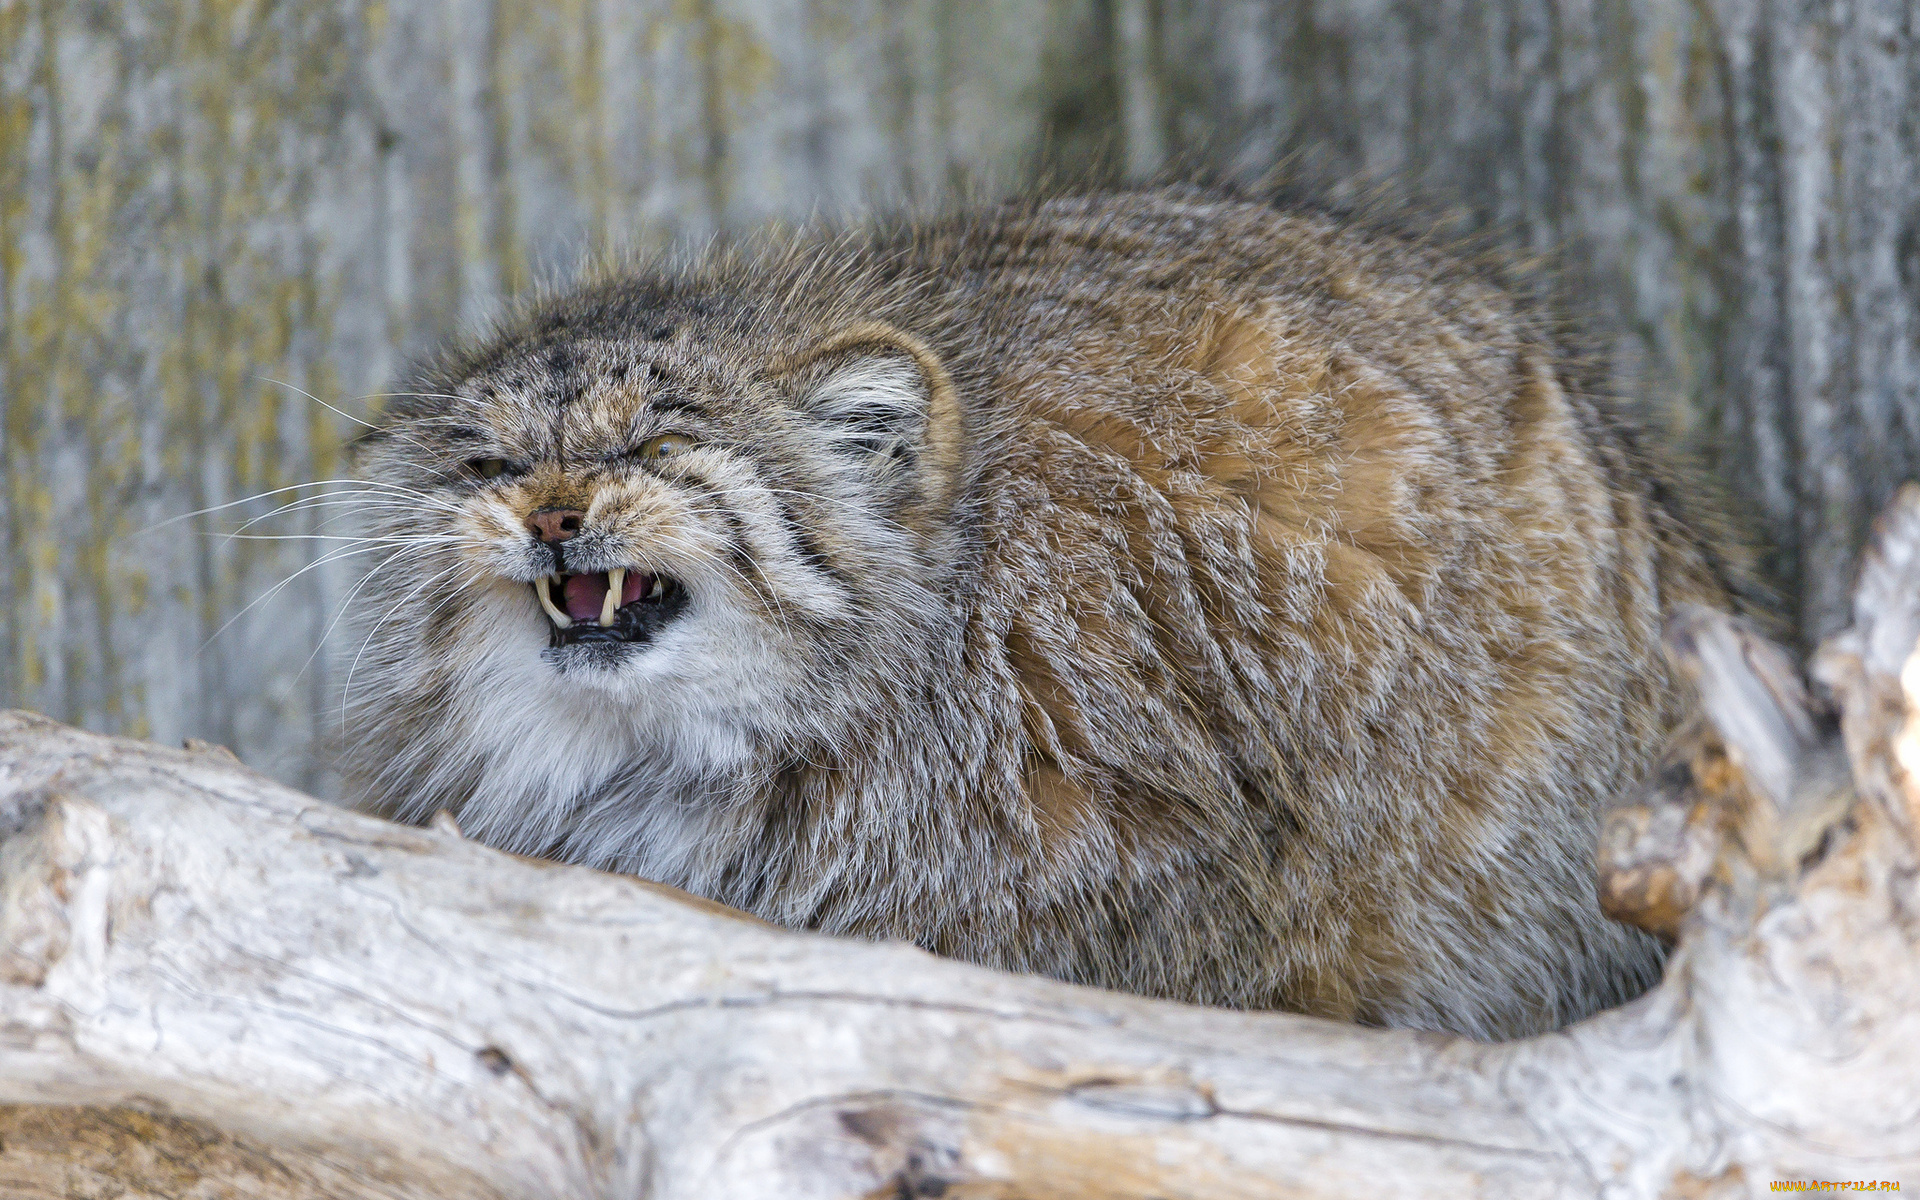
<point x="625" y="542"/>
<point x="621" y="523"/>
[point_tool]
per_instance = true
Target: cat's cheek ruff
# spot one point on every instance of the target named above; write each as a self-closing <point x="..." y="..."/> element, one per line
<point x="531" y="748"/>
<point x="700" y="699"/>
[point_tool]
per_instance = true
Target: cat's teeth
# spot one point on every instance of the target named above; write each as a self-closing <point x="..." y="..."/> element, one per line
<point x="659" y="588"/>
<point x="616" y="580"/>
<point x="543" y="588"/>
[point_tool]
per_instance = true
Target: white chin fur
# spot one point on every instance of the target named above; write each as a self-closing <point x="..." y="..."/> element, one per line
<point x="664" y="721"/>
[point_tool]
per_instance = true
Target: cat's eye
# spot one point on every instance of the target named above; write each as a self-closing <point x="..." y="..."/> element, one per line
<point x="665" y="446"/>
<point x="488" y="468"/>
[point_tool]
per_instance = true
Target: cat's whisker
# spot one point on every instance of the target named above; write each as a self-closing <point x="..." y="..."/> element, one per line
<point x="346" y="605"/>
<point x="317" y="400"/>
<point x="327" y="559"/>
<point x="292" y="487"/>
<point x="429" y="539"/>
<point x="346" y="687"/>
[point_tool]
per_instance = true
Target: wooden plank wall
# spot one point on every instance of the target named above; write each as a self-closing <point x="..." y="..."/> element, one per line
<point x="1732" y="186"/>
<point x="211" y="208"/>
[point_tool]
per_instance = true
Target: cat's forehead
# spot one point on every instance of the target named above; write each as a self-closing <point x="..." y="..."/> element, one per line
<point x="601" y="389"/>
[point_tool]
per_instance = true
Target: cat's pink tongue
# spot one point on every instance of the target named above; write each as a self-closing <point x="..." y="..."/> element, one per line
<point x="585" y="595"/>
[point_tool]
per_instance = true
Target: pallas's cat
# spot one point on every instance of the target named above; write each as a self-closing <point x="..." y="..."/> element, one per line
<point x="1156" y="590"/>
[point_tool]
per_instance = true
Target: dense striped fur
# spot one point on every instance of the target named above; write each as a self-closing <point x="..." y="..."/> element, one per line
<point x="1155" y="590"/>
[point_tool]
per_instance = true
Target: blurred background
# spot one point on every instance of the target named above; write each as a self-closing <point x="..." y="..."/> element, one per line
<point x="210" y="209"/>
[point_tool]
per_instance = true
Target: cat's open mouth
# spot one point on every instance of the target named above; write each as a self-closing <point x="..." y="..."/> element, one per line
<point x="608" y="606"/>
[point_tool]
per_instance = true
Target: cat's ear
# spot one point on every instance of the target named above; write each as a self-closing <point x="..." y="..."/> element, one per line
<point x="883" y="397"/>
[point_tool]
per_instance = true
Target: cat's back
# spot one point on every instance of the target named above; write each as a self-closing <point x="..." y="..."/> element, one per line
<point x="1305" y="540"/>
<point x="1348" y="384"/>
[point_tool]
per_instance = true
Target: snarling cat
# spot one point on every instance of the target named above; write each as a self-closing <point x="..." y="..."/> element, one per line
<point x="1158" y="590"/>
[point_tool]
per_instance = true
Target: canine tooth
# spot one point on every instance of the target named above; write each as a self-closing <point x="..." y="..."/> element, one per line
<point x="616" y="579"/>
<point x="542" y="586"/>
<point x="659" y="588"/>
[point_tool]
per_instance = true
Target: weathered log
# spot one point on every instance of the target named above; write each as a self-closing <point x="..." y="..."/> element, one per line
<point x="234" y="989"/>
<point x="1761" y="762"/>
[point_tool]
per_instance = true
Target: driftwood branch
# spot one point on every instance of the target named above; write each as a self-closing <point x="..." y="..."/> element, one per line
<point x="211" y="985"/>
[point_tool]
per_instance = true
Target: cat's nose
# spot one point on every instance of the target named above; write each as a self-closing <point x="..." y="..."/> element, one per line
<point x="555" y="524"/>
